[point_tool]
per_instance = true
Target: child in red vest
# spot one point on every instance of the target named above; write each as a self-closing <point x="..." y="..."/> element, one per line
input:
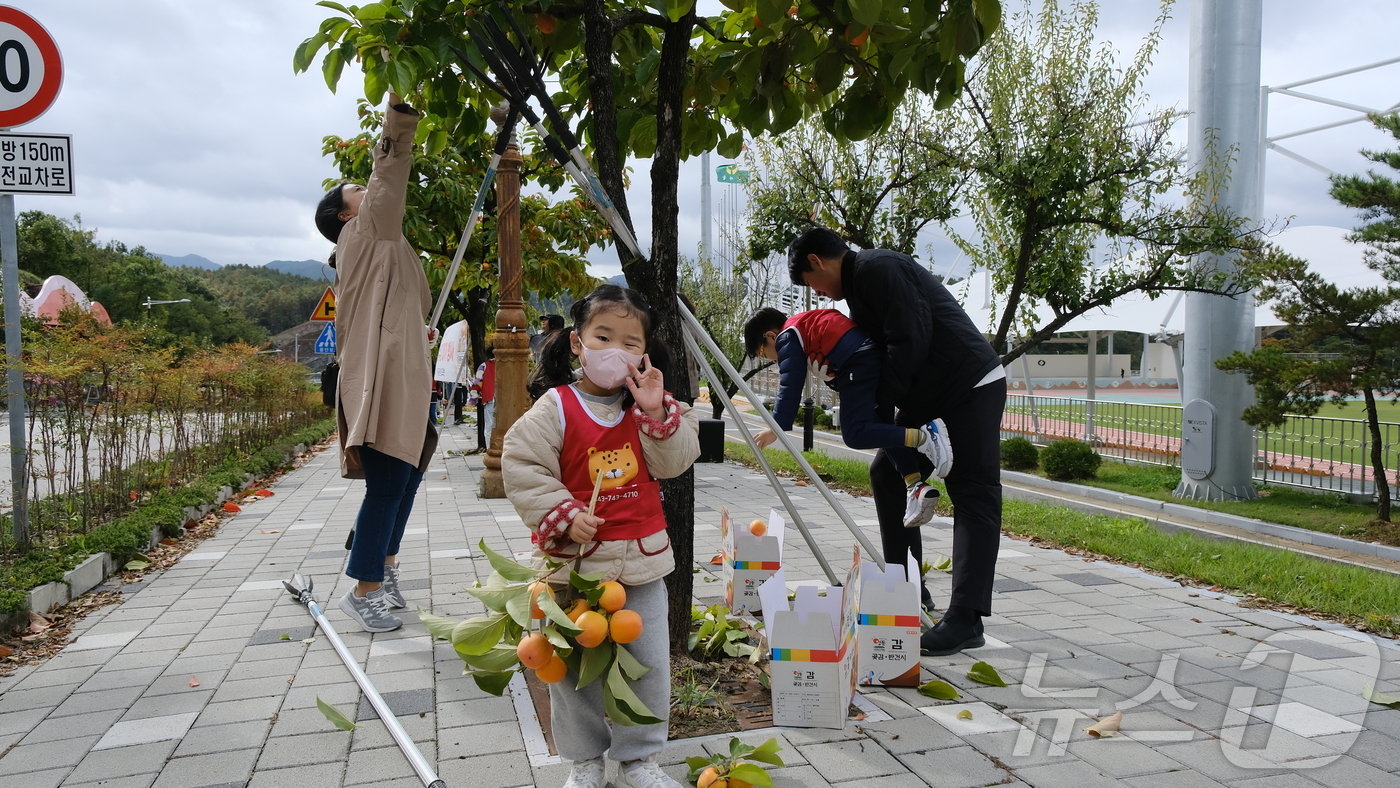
<point x="828" y="340"/>
<point x="618" y="422"/>
<point x="484" y="391"/>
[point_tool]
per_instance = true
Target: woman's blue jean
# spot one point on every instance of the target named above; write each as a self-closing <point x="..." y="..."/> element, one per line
<point x="390" y="484"/>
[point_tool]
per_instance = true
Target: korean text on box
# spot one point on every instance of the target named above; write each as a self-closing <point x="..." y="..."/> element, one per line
<point x="811" y="650"/>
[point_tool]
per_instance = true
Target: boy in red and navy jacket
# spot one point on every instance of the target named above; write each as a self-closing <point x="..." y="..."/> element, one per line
<point x="833" y="346"/>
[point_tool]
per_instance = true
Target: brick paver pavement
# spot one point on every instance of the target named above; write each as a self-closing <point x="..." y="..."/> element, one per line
<point x="208" y="674"/>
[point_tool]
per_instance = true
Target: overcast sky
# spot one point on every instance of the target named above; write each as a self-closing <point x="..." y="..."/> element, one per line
<point x="191" y="134"/>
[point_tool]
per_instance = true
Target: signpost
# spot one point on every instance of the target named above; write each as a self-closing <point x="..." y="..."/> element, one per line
<point x="31" y="72"/>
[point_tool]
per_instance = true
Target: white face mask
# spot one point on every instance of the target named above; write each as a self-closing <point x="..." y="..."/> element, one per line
<point x="608" y="368"/>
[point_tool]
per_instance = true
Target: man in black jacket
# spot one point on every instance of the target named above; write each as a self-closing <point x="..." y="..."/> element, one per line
<point x="935" y="364"/>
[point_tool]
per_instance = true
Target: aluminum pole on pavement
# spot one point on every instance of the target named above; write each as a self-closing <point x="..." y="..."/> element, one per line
<point x="300" y="589"/>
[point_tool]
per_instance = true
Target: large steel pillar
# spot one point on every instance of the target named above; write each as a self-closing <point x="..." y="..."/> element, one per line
<point x="1217" y="446"/>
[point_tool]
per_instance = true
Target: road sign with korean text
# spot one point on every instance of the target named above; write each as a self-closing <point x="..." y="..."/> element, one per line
<point x="36" y="163"/>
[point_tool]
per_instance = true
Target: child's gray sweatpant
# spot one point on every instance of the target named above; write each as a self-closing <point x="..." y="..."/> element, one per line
<point x="577" y="715"/>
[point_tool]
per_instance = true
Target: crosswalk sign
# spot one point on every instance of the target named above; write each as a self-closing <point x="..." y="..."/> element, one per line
<point x="325" y="343"/>
<point x="325" y="308"/>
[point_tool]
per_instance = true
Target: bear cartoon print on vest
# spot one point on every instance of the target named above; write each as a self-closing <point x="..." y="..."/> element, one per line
<point x="618" y="466"/>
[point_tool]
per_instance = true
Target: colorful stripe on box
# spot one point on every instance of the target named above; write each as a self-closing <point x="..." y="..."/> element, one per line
<point x="870" y="619"/>
<point x="807" y="655"/>
<point x="756" y="565"/>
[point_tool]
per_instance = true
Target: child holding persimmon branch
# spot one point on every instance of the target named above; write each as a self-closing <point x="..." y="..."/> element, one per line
<point x="614" y="428"/>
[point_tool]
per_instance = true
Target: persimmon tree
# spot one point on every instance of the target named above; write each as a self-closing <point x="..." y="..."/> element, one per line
<point x="657" y="80"/>
<point x="555" y="233"/>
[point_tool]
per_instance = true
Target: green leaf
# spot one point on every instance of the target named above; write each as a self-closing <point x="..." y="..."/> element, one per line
<point x="478" y="635"/>
<point x="767" y="752"/>
<point x="499" y="659"/>
<point x="642" y="140"/>
<point x="866" y="12"/>
<point x="492" y="683"/>
<point x="983" y="673"/>
<point x="333" y="5"/>
<point x="436" y="142"/>
<point x="554" y="613"/>
<point x="751" y="774"/>
<point x="988" y="14"/>
<point x="730" y="147"/>
<point x="965" y="714"/>
<point x="136" y="564"/>
<point x="375" y="83"/>
<point x="594" y="661"/>
<point x="438" y="626"/>
<point x="675" y="9"/>
<point x="499" y="598"/>
<point x="336" y="718"/>
<point x="301" y="59"/>
<point x="631" y="667"/>
<point x="331" y="68"/>
<point x="620" y="691"/>
<point x="829" y="71"/>
<point x="941" y="690"/>
<point x="510" y="570"/>
<point x="1384" y="699"/>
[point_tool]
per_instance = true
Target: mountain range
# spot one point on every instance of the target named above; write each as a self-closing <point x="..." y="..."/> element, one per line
<point x="311" y="269"/>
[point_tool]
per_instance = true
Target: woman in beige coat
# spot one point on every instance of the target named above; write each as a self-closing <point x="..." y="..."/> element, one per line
<point x="385" y="385"/>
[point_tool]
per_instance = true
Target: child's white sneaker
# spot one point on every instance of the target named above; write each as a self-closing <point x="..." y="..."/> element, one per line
<point x="644" y="774"/>
<point x="923" y="499"/>
<point x="586" y="774"/>
<point x="937" y="448"/>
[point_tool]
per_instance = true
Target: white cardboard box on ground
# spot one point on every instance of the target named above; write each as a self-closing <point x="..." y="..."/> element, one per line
<point x="887" y="625"/>
<point x="749" y="560"/>
<point x="811" y="647"/>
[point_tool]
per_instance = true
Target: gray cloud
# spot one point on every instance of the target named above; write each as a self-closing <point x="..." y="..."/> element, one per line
<point x="192" y="135"/>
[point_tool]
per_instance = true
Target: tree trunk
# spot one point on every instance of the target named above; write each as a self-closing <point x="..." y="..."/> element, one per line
<point x="1373" y="423"/>
<point x="657" y="281"/>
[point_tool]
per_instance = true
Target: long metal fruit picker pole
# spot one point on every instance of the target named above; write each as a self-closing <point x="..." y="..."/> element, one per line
<point x="300" y="589"/>
<point x="528" y="75"/>
<point x="518" y="100"/>
<point x="695" y="331"/>
<point x="502" y="140"/>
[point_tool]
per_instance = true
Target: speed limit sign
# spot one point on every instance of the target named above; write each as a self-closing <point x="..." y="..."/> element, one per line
<point x="30" y="68"/>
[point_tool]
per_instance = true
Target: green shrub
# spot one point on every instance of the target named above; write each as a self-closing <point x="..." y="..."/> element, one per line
<point x="1019" y="454"/>
<point x="1065" y="460"/>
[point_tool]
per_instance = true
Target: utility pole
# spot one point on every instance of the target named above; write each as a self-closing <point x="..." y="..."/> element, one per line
<point x="1217" y="454"/>
<point x="512" y="343"/>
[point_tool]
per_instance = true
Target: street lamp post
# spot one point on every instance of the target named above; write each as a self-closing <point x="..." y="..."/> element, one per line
<point x="148" y="303"/>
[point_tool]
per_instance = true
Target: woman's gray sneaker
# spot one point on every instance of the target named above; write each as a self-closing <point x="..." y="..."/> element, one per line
<point x="371" y="612"/>
<point x="391" y="588"/>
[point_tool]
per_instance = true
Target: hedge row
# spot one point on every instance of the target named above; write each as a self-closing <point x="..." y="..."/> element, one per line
<point x="127" y="536"/>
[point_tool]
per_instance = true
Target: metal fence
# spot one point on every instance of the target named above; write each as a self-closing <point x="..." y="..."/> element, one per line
<point x="1307" y="451"/>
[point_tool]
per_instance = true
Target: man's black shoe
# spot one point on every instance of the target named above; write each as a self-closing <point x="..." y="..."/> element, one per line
<point x="926" y="599"/>
<point x="959" y="629"/>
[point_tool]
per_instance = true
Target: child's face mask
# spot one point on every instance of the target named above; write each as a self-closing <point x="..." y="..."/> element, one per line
<point x="608" y="368"/>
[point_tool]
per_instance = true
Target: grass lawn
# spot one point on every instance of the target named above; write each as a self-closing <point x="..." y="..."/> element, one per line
<point x="1359" y="597"/>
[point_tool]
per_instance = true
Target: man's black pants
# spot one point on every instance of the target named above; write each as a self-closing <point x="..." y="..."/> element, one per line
<point x="974" y="486"/>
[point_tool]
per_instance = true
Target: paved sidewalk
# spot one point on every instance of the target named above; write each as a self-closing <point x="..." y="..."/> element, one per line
<point x="202" y="676"/>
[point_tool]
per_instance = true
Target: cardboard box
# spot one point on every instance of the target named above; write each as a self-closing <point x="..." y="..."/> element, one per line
<point x="749" y="560"/>
<point x="887" y="625"/>
<point x="811" y="647"/>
